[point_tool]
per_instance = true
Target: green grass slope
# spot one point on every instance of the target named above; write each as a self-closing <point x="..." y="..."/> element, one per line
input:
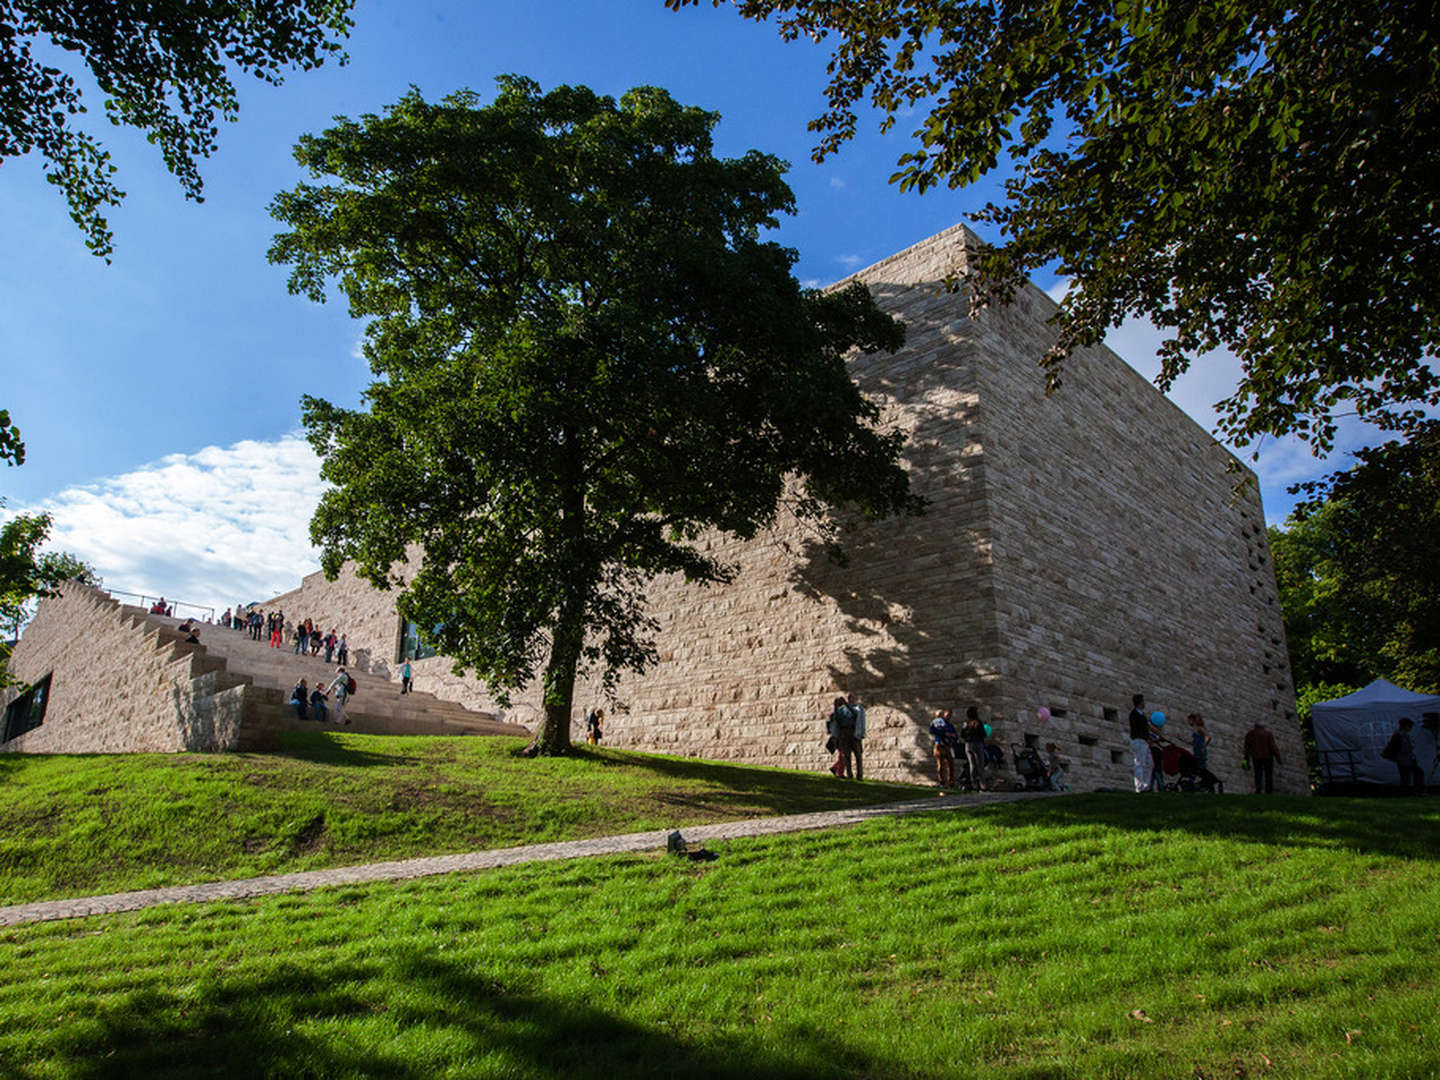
<point x="1089" y="936"/>
<point x="76" y="825"/>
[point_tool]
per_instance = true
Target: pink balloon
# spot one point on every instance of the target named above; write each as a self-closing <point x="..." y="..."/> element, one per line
<point x="1042" y="714"/>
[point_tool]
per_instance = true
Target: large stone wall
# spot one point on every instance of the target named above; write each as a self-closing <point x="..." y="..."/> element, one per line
<point x="1077" y="548"/>
<point x="1130" y="556"/>
<point x="120" y="687"/>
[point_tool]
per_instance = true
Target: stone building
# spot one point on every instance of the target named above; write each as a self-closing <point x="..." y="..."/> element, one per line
<point x="1078" y="548"/>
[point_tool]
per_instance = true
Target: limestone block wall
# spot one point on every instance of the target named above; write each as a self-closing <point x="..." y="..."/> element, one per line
<point x="1130" y="556"/>
<point x="1077" y="548"/>
<point x="350" y="606"/>
<point x="119" y="687"/>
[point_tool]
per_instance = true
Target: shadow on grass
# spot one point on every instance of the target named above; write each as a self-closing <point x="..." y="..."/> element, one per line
<point x="328" y="748"/>
<point x="433" y="1015"/>
<point x="756" y="780"/>
<point x="1408" y="829"/>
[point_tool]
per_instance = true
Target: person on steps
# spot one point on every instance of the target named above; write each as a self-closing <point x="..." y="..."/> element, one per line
<point x="340" y="688"/>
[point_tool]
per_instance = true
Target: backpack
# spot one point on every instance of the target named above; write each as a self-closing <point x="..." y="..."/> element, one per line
<point x="350" y="686"/>
<point x="845" y="719"/>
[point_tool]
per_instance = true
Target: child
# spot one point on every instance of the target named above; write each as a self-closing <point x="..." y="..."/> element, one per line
<point x="1055" y="768"/>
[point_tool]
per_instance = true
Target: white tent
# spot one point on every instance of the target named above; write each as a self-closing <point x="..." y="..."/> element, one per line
<point x="1354" y="729"/>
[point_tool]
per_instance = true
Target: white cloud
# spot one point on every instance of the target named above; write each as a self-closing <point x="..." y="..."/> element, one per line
<point x="848" y="261"/>
<point x="215" y="527"/>
<point x="836" y="183"/>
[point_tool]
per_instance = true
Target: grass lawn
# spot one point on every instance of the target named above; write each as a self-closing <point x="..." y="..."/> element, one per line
<point x="82" y="824"/>
<point x="1086" y="936"/>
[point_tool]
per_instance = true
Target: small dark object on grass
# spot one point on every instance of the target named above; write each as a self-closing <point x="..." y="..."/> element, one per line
<point x="675" y="844"/>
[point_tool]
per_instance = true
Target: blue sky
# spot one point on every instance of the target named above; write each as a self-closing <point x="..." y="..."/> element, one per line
<point x="158" y="396"/>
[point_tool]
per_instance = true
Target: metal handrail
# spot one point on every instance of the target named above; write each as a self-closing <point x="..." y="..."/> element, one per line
<point x="1331" y="760"/>
<point x="207" y="613"/>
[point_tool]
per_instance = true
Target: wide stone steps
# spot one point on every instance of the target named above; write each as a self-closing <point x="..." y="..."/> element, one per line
<point x="270" y="674"/>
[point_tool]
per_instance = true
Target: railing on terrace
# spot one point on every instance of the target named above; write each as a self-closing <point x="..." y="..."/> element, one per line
<point x="181" y="609"/>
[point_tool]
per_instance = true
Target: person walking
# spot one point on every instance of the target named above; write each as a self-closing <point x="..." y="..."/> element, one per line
<point x="1143" y="765"/>
<point x="856" y="742"/>
<point x="595" y="726"/>
<point x="973" y="733"/>
<point x="405" y="678"/>
<point x="843" y="725"/>
<point x="342" y="652"/>
<point x="1263" y="754"/>
<point x="340" y="688"/>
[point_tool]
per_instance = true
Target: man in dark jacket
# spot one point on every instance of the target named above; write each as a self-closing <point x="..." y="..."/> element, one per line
<point x="1263" y="755"/>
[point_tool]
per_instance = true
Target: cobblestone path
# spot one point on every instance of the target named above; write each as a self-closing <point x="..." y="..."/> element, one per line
<point x="78" y="907"/>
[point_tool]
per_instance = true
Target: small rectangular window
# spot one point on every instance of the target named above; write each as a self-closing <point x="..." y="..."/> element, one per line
<point x="1089" y="740"/>
<point x="412" y="646"/>
<point x="1112" y="716"/>
<point x="1059" y="714"/>
<point x="27" y="712"/>
<point x="1117" y="756"/>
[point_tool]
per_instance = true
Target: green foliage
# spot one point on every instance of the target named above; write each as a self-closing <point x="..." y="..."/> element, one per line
<point x="163" y="67"/>
<point x="1085" y="938"/>
<point x="1358" y="569"/>
<point x="585" y="356"/>
<point x="21" y="576"/>
<point x="80" y="825"/>
<point x="1248" y="174"/>
<point x="12" y="449"/>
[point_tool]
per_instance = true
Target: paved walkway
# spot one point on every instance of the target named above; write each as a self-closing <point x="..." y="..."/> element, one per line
<point x="243" y="889"/>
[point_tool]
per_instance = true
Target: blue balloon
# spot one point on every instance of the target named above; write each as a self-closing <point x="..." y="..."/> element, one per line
<point x="1157" y="718"/>
<point x="988" y="731"/>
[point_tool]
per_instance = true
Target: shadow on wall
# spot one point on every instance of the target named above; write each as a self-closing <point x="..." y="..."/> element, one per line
<point x="292" y="1023"/>
<point x="917" y="591"/>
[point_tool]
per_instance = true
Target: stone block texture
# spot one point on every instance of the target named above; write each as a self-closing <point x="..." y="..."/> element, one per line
<point x="123" y="680"/>
<point x="1078" y="547"/>
<point x="120" y="684"/>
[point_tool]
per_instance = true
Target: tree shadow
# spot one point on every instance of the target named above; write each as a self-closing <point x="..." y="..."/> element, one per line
<point x="903" y="613"/>
<point x="749" y="784"/>
<point x="328" y="748"/>
<point x="1363" y="826"/>
<point x="247" y="1027"/>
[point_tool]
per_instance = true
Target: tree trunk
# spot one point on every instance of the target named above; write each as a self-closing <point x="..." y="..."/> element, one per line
<point x="553" y="738"/>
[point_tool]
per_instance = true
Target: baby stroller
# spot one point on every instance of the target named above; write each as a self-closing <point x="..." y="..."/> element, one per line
<point x="1030" y="767"/>
<point x="1187" y="772"/>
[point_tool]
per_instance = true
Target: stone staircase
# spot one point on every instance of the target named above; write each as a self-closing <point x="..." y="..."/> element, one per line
<point x="270" y="674"/>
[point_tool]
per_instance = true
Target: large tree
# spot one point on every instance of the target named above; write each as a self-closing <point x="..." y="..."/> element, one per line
<point x="163" y="66"/>
<point x="585" y="357"/>
<point x="1255" y="175"/>
<point x="1358" y="566"/>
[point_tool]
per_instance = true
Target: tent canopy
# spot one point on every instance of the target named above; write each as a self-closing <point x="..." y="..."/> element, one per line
<point x="1354" y="729"/>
